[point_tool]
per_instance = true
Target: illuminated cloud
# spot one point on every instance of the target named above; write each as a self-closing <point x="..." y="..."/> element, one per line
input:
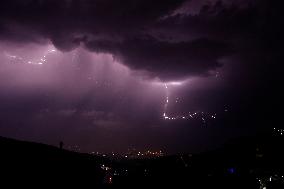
<point x="128" y="37"/>
<point x="182" y="73"/>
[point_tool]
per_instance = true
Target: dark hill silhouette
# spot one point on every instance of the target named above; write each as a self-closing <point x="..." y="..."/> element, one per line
<point x="240" y="163"/>
<point x="31" y="151"/>
<point x="29" y="164"/>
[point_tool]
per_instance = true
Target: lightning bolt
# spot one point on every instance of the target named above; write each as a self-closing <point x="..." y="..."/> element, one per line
<point x="166" y="102"/>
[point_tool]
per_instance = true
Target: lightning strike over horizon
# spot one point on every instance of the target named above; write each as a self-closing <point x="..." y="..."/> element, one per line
<point x="203" y="116"/>
<point x="167" y="102"/>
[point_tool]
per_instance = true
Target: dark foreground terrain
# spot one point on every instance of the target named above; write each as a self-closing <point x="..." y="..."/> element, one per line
<point x="243" y="163"/>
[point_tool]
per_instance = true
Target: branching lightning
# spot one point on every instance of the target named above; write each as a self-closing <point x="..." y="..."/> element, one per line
<point x="38" y="61"/>
<point x="204" y="116"/>
<point x="166" y="103"/>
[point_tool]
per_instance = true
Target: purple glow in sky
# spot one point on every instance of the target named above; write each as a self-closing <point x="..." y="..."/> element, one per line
<point x="92" y="88"/>
<point x="176" y="76"/>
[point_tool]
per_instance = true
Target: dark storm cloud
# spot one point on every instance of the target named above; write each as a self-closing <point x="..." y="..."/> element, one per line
<point x="144" y="35"/>
<point x="89" y="96"/>
<point x="167" y="60"/>
<point x="63" y="21"/>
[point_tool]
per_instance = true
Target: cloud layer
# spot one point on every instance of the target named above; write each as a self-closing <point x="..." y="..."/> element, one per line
<point x="166" y="39"/>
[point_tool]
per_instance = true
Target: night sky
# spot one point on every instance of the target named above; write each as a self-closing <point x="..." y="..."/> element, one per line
<point x="110" y="75"/>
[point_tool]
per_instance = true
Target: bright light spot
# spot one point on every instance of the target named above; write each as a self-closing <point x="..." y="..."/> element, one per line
<point x="175" y="83"/>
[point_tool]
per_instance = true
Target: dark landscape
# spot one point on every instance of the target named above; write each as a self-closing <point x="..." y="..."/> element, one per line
<point x="241" y="163"/>
<point x="141" y="94"/>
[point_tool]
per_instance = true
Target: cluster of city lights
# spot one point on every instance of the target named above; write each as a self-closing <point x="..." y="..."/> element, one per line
<point x="133" y="153"/>
<point x="263" y="181"/>
<point x="278" y="131"/>
<point x="151" y="154"/>
<point x="106" y="168"/>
